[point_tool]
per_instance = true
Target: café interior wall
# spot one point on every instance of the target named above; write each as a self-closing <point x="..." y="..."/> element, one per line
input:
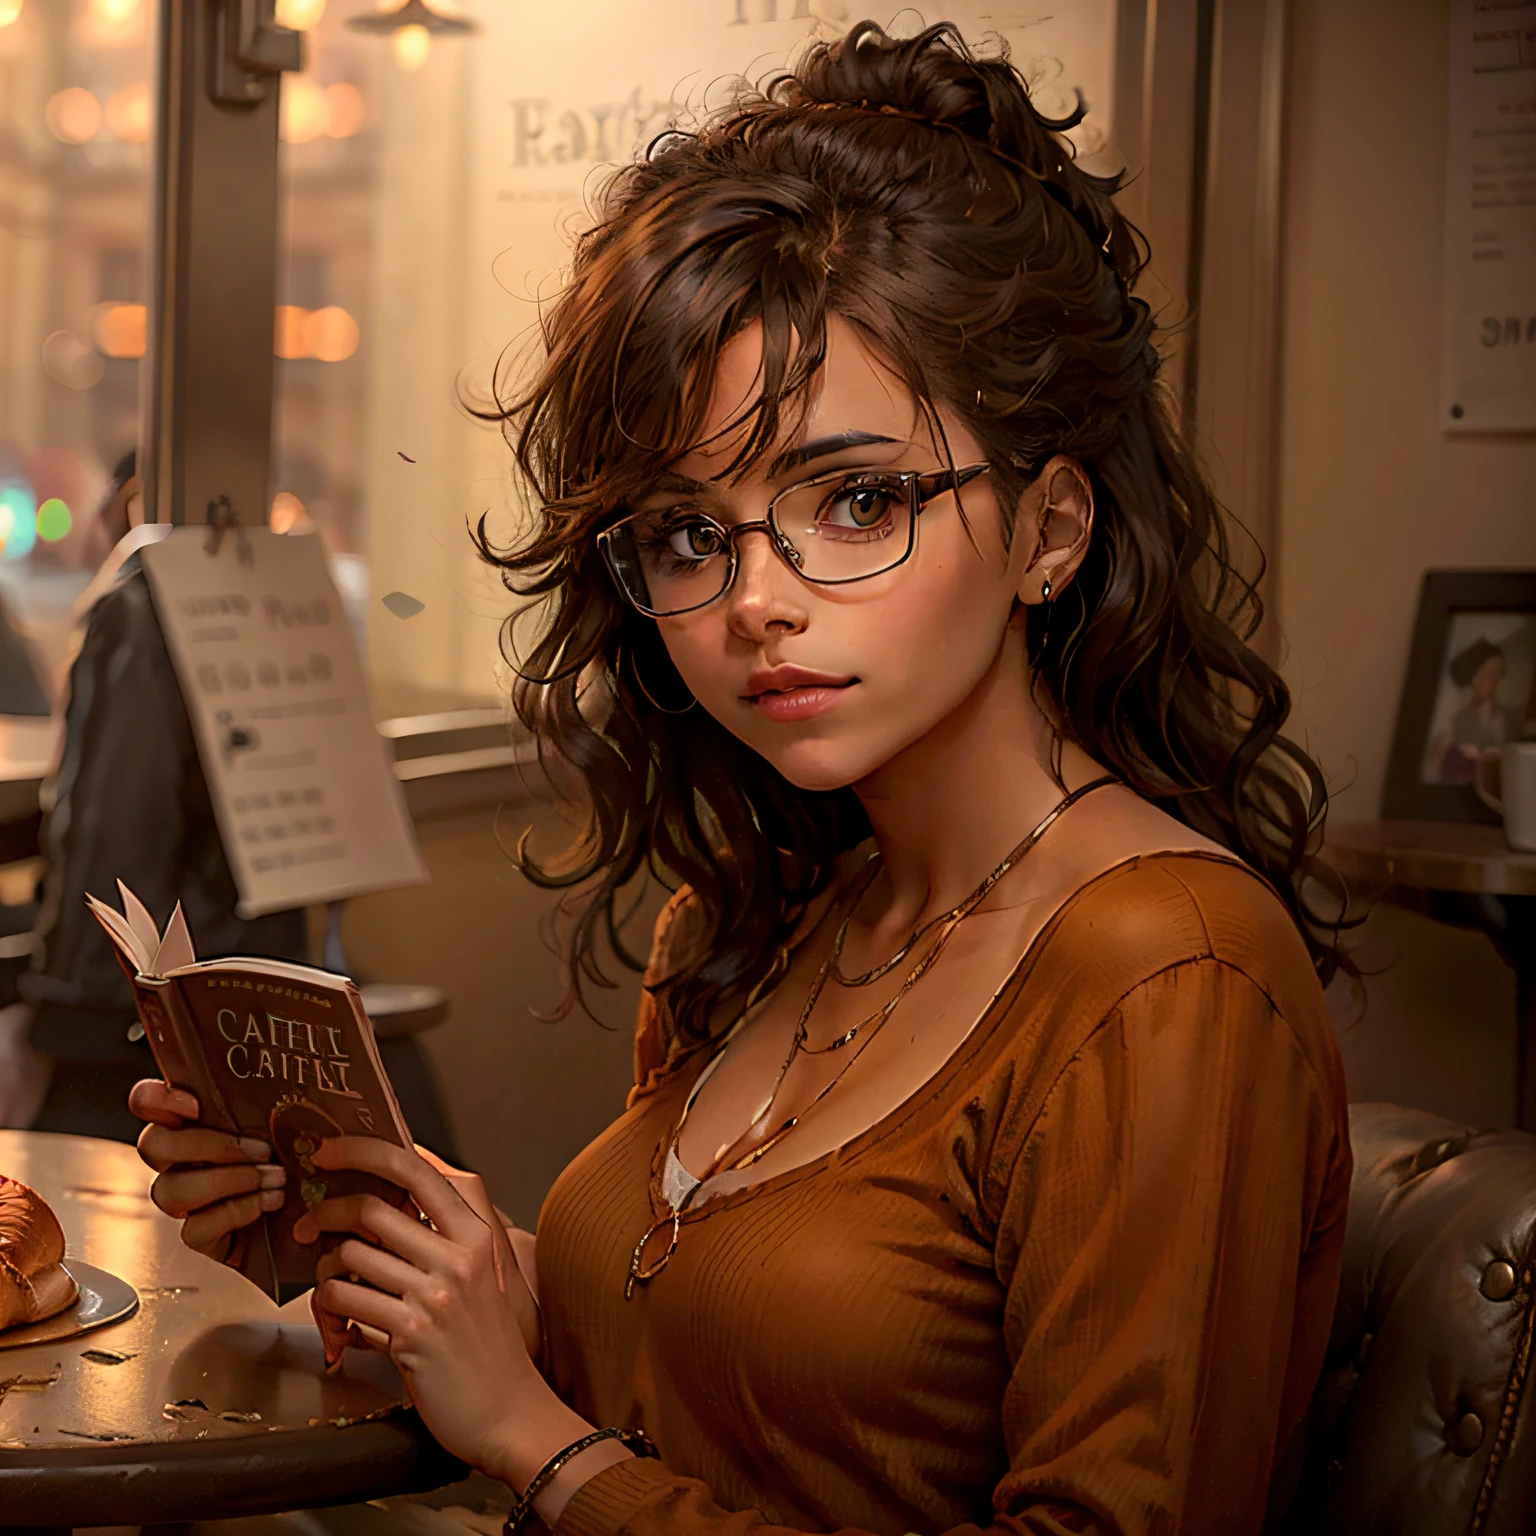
<point x="1372" y="494"/>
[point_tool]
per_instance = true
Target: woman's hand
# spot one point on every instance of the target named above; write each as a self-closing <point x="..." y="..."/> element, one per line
<point x="453" y="1311"/>
<point x="212" y="1182"/>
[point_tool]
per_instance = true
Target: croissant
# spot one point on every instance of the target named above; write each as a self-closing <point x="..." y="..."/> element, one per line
<point x="34" y="1283"/>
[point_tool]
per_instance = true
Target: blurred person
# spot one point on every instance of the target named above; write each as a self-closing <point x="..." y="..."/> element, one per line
<point x="127" y="801"/>
<point x="22" y="691"/>
<point x="987" y="1161"/>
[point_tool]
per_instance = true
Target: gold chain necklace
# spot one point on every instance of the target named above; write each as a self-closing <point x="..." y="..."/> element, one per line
<point x="946" y="922"/>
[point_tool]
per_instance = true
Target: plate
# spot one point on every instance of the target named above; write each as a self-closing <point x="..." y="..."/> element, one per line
<point x="103" y="1299"/>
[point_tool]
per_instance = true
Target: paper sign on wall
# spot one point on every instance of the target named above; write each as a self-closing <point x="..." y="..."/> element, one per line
<point x="305" y="794"/>
<point x="1488" y="374"/>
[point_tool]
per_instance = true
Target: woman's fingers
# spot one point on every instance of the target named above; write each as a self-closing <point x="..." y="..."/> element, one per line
<point x="363" y="1304"/>
<point x="431" y="1191"/>
<point x="377" y="1267"/>
<point x="335" y="1334"/>
<point x="207" y="1230"/>
<point x="154" y="1100"/>
<point x="163" y="1148"/>
<point x="370" y="1217"/>
<point x="183" y="1190"/>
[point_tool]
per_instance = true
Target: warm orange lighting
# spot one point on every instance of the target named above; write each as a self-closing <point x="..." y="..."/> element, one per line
<point x="346" y="111"/>
<point x="305" y="111"/>
<point x="114" y="13"/>
<point x="122" y="330"/>
<point x="10" y="11"/>
<point x="412" y="45"/>
<point x="288" y="514"/>
<point x="128" y="114"/>
<point x="301" y="15"/>
<point x="288" y="331"/>
<point x="73" y="116"/>
<point x="331" y="334"/>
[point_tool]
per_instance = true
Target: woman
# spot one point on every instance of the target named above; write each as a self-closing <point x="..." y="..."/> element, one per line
<point x="987" y="1160"/>
<point x="1482" y="724"/>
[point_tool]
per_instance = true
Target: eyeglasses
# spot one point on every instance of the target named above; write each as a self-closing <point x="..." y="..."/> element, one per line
<point x="843" y="526"/>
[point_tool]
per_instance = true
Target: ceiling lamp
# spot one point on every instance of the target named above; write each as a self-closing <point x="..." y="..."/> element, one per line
<point x="412" y="27"/>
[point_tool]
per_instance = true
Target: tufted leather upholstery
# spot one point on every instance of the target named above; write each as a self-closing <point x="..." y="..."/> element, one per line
<point x="1424" y="1419"/>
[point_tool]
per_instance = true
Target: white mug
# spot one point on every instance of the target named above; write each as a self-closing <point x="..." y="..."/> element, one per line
<point x="1517" y="803"/>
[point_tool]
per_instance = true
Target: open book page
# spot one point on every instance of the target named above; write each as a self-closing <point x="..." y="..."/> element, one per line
<point x="175" y="949"/>
<point x="125" y="941"/>
<point x="140" y="920"/>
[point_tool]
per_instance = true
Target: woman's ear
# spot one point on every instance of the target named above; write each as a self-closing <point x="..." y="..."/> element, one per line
<point x="1054" y="524"/>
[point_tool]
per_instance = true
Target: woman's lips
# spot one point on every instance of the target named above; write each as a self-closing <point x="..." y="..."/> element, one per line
<point x="798" y="703"/>
<point x="788" y="693"/>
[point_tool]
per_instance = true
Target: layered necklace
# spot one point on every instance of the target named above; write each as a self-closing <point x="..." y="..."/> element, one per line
<point x="678" y="1186"/>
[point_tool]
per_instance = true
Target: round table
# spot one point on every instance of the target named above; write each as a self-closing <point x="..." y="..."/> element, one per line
<point x="206" y="1403"/>
<point x="1461" y="872"/>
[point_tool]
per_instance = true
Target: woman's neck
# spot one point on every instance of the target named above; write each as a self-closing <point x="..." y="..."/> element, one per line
<point x="947" y="809"/>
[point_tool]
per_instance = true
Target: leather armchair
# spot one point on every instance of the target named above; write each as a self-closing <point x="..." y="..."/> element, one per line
<point x="1424" y="1419"/>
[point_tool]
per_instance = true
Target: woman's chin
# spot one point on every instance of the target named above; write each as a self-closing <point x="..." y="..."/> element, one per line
<point x="822" y="766"/>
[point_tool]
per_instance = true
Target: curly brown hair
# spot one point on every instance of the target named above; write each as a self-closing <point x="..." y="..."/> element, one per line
<point x="911" y="188"/>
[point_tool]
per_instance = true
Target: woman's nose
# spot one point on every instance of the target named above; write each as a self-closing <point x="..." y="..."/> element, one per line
<point x="766" y="597"/>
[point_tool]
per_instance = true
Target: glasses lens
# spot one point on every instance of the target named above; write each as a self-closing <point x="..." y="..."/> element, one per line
<point x="847" y="527"/>
<point x="669" y="562"/>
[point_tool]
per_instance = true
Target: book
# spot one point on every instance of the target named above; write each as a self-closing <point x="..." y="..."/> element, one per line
<point x="270" y="1049"/>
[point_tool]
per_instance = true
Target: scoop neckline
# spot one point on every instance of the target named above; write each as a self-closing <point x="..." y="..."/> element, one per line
<point x="938" y="1081"/>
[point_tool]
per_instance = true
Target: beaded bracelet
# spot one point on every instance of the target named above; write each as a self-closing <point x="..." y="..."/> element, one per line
<point x="635" y="1441"/>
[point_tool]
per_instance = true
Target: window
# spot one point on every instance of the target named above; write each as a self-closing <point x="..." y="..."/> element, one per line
<point x="75" y="132"/>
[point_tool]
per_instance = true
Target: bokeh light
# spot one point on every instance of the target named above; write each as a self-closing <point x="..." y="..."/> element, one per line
<point x="54" y="520"/>
<point x="346" y="111"/>
<point x="305" y="110"/>
<point x="288" y="331"/>
<point x="288" y="514"/>
<point x="73" y="115"/>
<point x="18" y="522"/>
<point x="122" y="330"/>
<point x="10" y="11"/>
<point x="115" y="13"/>
<point x="69" y="361"/>
<point x="128" y="114"/>
<point x="300" y="15"/>
<point x="412" y="46"/>
<point x="331" y="334"/>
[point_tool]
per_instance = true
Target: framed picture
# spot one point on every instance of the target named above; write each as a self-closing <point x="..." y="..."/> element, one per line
<point x="1471" y="686"/>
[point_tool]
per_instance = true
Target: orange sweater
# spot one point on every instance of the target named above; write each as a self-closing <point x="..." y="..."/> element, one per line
<point x="1081" y="1281"/>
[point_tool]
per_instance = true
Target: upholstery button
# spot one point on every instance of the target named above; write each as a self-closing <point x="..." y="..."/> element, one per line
<point x="1466" y="1434"/>
<point x="1499" y="1280"/>
<point x="1363" y="1351"/>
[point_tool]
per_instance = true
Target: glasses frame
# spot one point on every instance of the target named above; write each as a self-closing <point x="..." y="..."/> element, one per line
<point x="921" y="486"/>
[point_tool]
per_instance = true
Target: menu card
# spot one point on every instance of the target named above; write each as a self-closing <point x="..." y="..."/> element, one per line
<point x="303" y="786"/>
<point x="1488" y="361"/>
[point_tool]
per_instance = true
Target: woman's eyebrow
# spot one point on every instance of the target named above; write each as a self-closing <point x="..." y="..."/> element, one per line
<point x="820" y="447"/>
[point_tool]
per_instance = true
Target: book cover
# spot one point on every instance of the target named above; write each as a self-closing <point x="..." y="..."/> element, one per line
<point x="271" y="1049"/>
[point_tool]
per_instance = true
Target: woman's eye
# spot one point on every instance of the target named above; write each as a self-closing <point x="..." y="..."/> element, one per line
<point x="863" y="507"/>
<point x="694" y="541"/>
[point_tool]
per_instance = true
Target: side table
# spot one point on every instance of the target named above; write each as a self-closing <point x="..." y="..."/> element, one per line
<point x="1463" y="872"/>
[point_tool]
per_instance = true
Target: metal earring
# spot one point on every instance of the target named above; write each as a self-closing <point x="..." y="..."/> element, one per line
<point x="1045" y="590"/>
